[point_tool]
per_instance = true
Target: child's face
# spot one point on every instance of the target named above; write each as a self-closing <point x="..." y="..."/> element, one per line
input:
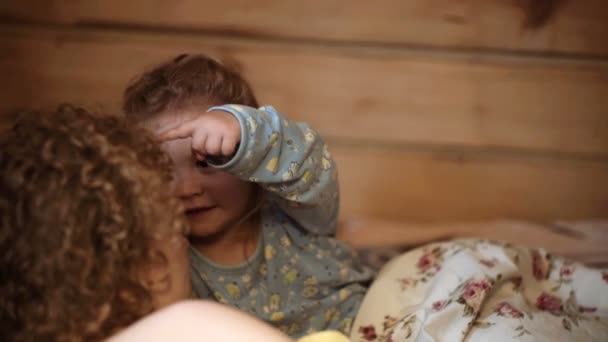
<point x="213" y="200"/>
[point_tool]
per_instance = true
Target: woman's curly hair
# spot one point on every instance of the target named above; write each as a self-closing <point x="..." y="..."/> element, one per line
<point x="81" y="197"/>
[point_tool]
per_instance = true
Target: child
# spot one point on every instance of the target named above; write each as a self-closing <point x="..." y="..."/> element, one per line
<point x="281" y="262"/>
<point x="260" y="193"/>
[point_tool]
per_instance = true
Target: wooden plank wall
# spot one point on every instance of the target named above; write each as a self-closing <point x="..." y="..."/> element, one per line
<point x="435" y="110"/>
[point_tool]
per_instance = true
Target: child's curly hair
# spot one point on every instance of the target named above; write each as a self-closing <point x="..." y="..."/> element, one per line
<point x="81" y="197"/>
<point x="183" y="81"/>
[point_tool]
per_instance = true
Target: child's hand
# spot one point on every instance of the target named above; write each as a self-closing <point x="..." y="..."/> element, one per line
<point x="216" y="133"/>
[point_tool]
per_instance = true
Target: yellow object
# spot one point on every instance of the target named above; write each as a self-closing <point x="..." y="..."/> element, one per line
<point x="277" y="316"/>
<point x="324" y="336"/>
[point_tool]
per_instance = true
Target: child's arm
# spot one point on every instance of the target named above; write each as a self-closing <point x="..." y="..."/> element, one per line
<point x="286" y="158"/>
<point x="291" y="161"/>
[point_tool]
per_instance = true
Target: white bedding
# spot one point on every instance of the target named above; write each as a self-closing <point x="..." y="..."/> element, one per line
<point x="472" y="290"/>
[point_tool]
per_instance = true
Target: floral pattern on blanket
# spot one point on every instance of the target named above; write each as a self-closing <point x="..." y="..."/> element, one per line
<point x="478" y="290"/>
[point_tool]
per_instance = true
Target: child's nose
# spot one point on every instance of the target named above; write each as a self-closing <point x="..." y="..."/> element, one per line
<point x="185" y="187"/>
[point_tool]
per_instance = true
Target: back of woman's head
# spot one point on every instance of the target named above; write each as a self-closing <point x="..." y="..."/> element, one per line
<point x="80" y="198"/>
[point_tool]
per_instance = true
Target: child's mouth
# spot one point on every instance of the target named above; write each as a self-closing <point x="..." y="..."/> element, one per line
<point x="194" y="213"/>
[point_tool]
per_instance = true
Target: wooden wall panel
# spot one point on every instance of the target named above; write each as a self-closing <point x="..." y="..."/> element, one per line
<point x="577" y="26"/>
<point x="557" y="106"/>
<point x="446" y="185"/>
<point x="419" y="135"/>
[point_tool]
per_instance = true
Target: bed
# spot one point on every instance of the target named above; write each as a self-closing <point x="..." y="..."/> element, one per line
<point x="454" y="282"/>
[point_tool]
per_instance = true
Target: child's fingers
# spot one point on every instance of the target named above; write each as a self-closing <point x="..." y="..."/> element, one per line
<point x="199" y="156"/>
<point x="228" y="146"/>
<point x="182" y="131"/>
<point x="214" y="145"/>
<point x="199" y="143"/>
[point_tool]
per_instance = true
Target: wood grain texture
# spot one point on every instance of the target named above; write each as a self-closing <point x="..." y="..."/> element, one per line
<point x="578" y="27"/>
<point x="418" y="136"/>
<point x="364" y="233"/>
<point x="357" y="94"/>
<point x="432" y="186"/>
